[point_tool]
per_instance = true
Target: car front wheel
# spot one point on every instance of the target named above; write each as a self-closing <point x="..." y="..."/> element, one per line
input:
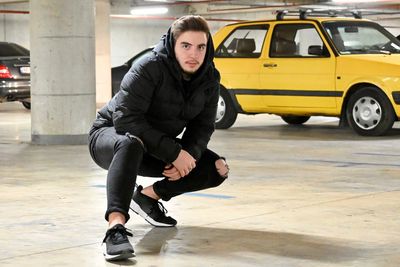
<point x="369" y="112"/>
<point x="295" y="119"/>
<point x="226" y="113"/>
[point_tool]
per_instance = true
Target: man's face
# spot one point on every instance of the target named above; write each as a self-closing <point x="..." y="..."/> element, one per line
<point x="190" y="50"/>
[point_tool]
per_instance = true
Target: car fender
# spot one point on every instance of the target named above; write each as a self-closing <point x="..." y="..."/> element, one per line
<point x="384" y="85"/>
<point x="235" y="102"/>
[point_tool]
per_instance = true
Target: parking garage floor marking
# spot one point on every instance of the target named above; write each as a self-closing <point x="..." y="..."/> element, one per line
<point x="209" y="195"/>
<point x="378" y="154"/>
<point x="349" y="163"/>
<point x="190" y="194"/>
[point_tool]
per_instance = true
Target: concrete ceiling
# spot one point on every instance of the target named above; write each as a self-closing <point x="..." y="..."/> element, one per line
<point x="216" y="7"/>
<point x="230" y="7"/>
<point x="385" y="4"/>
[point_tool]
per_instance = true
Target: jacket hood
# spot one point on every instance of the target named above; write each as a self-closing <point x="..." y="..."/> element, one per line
<point x="165" y="49"/>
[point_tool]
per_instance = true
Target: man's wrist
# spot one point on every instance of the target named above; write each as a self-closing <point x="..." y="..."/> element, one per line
<point x="176" y="156"/>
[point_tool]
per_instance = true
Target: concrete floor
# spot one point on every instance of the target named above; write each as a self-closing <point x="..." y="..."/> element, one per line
<point x="315" y="195"/>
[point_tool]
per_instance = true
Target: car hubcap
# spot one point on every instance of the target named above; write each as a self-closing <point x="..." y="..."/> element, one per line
<point x="220" y="110"/>
<point x="367" y="113"/>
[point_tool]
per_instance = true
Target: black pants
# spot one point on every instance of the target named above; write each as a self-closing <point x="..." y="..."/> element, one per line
<point x="124" y="158"/>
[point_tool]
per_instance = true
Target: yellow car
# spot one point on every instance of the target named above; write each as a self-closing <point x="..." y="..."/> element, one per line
<point x="301" y="67"/>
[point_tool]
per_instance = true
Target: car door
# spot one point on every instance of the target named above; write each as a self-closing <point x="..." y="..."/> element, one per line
<point x="298" y="71"/>
<point x="238" y="58"/>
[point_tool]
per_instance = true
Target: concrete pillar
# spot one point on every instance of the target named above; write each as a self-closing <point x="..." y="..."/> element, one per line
<point x="62" y="70"/>
<point x="103" y="59"/>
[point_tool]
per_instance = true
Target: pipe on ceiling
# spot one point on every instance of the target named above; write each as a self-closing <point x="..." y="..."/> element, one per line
<point x="185" y="3"/>
<point x="5" y="11"/>
<point x="2" y="2"/>
<point x="168" y="18"/>
<point x="249" y="9"/>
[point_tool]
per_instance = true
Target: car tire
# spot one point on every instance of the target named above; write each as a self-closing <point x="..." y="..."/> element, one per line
<point x="369" y="112"/>
<point x="226" y="113"/>
<point x="296" y="120"/>
<point x="26" y="104"/>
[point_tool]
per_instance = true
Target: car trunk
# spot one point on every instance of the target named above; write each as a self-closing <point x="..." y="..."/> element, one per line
<point x="19" y="67"/>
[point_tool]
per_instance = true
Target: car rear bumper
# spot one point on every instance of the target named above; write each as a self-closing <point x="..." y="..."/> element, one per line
<point x="15" y="90"/>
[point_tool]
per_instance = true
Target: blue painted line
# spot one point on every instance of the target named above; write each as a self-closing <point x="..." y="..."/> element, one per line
<point x="209" y="195"/>
<point x="378" y="154"/>
<point x="190" y="194"/>
<point x="349" y="163"/>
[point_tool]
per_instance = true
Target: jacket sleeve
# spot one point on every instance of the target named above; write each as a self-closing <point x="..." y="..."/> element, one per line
<point x="132" y="104"/>
<point x="199" y="130"/>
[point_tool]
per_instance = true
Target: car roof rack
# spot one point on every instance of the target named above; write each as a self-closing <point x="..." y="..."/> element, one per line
<point x="305" y="13"/>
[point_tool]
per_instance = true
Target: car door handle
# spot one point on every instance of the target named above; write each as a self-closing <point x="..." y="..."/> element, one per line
<point x="270" y="65"/>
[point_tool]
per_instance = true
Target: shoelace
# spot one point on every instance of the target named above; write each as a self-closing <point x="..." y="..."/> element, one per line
<point x="160" y="205"/>
<point x="121" y="231"/>
<point x="162" y="208"/>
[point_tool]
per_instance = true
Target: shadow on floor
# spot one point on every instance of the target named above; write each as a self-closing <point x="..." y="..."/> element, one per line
<point x="229" y="243"/>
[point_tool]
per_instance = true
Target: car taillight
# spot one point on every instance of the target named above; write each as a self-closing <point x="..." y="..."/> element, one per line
<point x="5" y="72"/>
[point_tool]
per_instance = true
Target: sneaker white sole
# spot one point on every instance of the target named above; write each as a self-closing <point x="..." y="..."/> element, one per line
<point x="136" y="209"/>
<point x="122" y="256"/>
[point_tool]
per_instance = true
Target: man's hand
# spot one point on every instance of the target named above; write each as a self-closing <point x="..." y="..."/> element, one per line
<point x="184" y="163"/>
<point x="171" y="172"/>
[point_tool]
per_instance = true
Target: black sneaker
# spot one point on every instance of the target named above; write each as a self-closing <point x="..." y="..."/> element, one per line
<point x="150" y="209"/>
<point x="116" y="245"/>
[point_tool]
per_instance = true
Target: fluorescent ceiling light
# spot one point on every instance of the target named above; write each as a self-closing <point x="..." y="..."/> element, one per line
<point x="143" y="11"/>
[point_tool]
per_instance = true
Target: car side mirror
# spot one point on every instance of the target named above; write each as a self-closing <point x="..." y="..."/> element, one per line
<point x="315" y="50"/>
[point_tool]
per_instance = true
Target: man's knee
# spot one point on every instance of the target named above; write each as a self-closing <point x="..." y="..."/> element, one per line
<point x="130" y="144"/>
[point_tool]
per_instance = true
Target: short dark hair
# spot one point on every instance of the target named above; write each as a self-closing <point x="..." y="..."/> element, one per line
<point x="189" y="23"/>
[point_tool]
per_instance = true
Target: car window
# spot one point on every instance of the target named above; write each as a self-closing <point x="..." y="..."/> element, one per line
<point x="243" y="42"/>
<point x="12" y="50"/>
<point x="360" y="37"/>
<point x="297" y="40"/>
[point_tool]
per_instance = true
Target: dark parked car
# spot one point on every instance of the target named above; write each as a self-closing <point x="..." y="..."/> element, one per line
<point x="15" y="74"/>
<point x="118" y="73"/>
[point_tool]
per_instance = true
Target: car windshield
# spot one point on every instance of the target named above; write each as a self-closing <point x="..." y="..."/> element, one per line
<point x="12" y="50"/>
<point x="361" y="37"/>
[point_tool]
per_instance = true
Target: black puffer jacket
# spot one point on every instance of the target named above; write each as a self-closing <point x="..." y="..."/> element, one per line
<point x="154" y="105"/>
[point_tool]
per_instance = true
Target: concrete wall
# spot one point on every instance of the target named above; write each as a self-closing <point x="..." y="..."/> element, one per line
<point x="392" y="24"/>
<point x="129" y="36"/>
<point x="15" y="27"/>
